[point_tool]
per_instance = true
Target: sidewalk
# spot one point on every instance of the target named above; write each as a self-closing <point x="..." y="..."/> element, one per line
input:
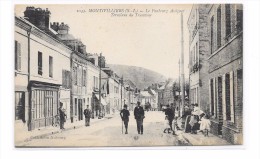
<point x="200" y="140"/>
<point x="22" y="136"/>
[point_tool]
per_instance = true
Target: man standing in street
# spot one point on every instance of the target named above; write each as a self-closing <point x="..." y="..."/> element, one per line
<point x="125" y="117"/>
<point x="87" y="114"/>
<point x="170" y="112"/>
<point x="139" y="116"/>
<point x="62" y="116"/>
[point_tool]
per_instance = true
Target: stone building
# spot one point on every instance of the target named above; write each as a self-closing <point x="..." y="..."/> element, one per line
<point x="199" y="52"/>
<point x="216" y="66"/>
<point x="40" y="82"/>
<point x="225" y="25"/>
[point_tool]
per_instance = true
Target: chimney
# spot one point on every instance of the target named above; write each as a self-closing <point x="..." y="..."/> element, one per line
<point x="38" y="17"/>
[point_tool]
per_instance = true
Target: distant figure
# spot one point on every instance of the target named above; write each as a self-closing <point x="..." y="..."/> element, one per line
<point x="170" y="112"/>
<point x="63" y="116"/>
<point x="205" y="124"/>
<point x="125" y="117"/>
<point x="87" y="113"/>
<point x="139" y="116"/>
<point x="167" y="126"/>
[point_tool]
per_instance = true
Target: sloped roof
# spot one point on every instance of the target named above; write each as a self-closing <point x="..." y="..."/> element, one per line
<point x="145" y="94"/>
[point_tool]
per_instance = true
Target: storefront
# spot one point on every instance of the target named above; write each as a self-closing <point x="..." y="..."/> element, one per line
<point x="43" y="109"/>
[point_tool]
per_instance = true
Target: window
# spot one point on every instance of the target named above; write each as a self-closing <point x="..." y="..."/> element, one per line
<point x="84" y="77"/>
<point x="76" y="106"/>
<point x="66" y="79"/>
<point x="39" y="63"/>
<point x="220" y="96"/>
<point x="75" y="72"/>
<point x="20" y="106"/>
<point x="228" y="20"/>
<point x="212" y="97"/>
<point x="17" y="56"/>
<point x="239" y="20"/>
<point x="228" y="108"/>
<point x="50" y="66"/>
<point x="212" y="34"/>
<point x="219" y="27"/>
<point x="94" y="82"/>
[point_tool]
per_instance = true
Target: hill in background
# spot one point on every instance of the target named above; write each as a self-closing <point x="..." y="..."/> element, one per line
<point x="141" y="77"/>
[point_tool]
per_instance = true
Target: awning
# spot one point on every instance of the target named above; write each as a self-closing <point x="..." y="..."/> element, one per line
<point x="103" y="102"/>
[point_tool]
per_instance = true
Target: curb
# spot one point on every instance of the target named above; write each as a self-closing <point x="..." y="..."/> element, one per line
<point x="187" y="140"/>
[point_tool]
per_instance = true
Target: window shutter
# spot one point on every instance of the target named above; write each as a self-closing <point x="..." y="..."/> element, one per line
<point x="19" y="56"/>
<point x="224" y="97"/>
<point x="232" y="96"/>
<point x="215" y="103"/>
<point x="16" y="55"/>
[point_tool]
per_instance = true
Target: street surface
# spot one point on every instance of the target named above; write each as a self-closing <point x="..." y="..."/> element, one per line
<point x="109" y="133"/>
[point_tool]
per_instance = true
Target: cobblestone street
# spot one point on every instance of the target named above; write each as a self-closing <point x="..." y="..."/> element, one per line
<point x="109" y="132"/>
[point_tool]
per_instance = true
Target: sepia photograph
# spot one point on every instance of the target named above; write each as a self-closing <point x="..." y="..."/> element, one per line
<point x="128" y="75"/>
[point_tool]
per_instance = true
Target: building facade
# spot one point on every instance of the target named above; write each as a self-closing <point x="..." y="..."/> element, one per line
<point x="225" y="24"/>
<point x="199" y="52"/>
<point x="38" y="73"/>
<point x="216" y="66"/>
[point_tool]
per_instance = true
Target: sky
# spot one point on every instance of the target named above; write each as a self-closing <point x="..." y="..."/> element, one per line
<point x="152" y="41"/>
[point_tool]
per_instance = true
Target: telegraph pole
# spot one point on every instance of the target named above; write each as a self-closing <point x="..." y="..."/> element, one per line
<point x="182" y="65"/>
<point x="121" y="92"/>
<point x="100" y="113"/>
<point x="179" y="89"/>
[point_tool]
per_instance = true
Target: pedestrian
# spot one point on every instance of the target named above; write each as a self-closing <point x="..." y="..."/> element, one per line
<point x="139" y="116"/>
<point x="87" y="113"/>
<point x="170" y="112"/>
<point x="63" y="116"/>
<point x="125" y="117"/>
<point x="205" y="124"/>
<point x="167" y="126"/>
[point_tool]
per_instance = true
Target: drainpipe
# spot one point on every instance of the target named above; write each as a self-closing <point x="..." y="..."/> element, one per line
<point x="29" y="74"/>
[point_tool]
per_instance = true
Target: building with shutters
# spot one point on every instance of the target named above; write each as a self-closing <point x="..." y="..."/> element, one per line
<point x="198" y="54"/>
<point x="216" y="66"/>
<point x="42" y="63"/>
<point x="225" y="25"/>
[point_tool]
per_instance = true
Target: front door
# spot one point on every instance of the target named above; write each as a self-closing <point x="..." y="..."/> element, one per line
<point x="80" y="111"/>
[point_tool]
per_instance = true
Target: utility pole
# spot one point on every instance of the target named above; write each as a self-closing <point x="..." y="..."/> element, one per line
<point x="179" y="89"/>
<point x="100" y="113"/>
<point x="122" y="92"/>
<point x="182" y="65"/>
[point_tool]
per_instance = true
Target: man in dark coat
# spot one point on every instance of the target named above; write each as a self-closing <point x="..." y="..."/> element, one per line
<point x="125" y="117"/>
<point x="63" y="116"/>
<point x="139" y="116"/>
<point x="170" y="112"/>
<point x="87" y="114"/>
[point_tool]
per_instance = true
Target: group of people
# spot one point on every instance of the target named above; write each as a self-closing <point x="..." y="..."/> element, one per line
<point x="197" y="120"/>
<point x="139" y="117"/>
<point x="63" y="116"/>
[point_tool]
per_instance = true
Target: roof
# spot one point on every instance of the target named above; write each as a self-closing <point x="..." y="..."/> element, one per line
<point x="153" y="92"/>
<point x="145" y="94"/>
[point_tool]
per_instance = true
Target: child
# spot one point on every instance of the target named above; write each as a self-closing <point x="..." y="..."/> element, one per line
<point x="166" y="124"/>
<point x="205" y="125"/>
